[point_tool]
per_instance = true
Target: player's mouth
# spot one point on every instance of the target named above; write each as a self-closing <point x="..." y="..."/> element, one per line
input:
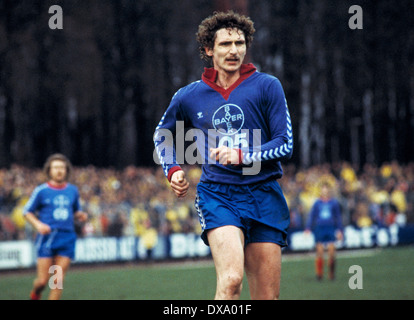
<point x="60" y="176"/>
<point x="232" y="60"/>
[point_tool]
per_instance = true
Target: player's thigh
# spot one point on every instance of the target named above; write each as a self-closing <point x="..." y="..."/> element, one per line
<point x="227" y="249"/>
<point x="43" y="266"/>
<point x="263" y="262"/>
<point x="63" y="262"/>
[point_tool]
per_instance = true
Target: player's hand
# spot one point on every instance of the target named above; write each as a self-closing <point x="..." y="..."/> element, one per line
<point x="225" y="155"/>
<point x="179" y="184"/>
<point x="43" y="228"/>
<point x="81" y="216"/>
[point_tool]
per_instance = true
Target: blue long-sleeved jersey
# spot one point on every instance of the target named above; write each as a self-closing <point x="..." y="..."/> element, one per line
<point x="252" y="115"/>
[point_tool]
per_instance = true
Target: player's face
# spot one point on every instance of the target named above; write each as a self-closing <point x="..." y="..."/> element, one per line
<point x="58" y="171"/>
<point x="325" y="192"/>
<point x="229" y="50"/>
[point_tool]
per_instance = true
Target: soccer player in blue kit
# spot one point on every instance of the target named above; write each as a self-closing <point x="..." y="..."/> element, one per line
<point x="325" y="222"/>
<point x="51" y="210"/>
<point x="241" y="120"/>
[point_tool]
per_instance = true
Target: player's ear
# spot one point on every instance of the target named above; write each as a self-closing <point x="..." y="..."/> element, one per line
<point x="209" y="51"/>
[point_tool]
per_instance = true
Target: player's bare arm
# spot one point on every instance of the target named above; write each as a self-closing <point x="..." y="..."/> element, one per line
<point x="179" y="184"/>
<point x="41" y="227"/>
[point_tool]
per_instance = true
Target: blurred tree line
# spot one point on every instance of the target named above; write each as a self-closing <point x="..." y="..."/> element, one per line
<point x="96" y="89"/>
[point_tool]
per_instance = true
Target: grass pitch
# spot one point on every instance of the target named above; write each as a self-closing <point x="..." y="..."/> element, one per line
<point x="388" y="274"/>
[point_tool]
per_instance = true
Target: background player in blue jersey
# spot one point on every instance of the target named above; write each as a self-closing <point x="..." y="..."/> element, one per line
<point x="325" y="221"/>
<point x="51" y="210"/>
<point x="241" y="119"/>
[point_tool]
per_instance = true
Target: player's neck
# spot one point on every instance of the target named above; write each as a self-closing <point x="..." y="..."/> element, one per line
<point x="57" y="184"/>
<point x="226" y="79"/>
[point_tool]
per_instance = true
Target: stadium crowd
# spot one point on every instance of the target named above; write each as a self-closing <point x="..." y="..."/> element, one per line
<point x="138" y="201"/>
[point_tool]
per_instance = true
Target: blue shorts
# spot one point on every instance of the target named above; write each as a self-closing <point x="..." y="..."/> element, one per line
<point x="260" y="210"/>
<point x="56" y="243"/>
<point x="324" y="234"/>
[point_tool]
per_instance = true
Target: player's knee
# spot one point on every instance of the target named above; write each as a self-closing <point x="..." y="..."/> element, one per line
<point x="265" y="292"/>
<point x="232" y="284"/>
<point x="272" y="295"/>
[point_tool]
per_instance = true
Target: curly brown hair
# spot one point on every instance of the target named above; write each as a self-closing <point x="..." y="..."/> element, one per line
<point x="206" y="34"/>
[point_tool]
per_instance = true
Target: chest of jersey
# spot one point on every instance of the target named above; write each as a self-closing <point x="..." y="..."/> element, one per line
<point x="232" y="121"/>
<point x="55" y="204"/>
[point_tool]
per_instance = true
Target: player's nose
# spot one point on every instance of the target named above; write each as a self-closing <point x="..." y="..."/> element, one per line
<point x="233" y="49"/>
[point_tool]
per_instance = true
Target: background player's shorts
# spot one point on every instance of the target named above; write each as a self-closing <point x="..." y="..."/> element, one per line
<point x="56" y="243"/>
<point x="324" y="234"/>
<point x="260" y="210"/>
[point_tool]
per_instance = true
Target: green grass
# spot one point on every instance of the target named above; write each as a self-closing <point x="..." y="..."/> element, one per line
<point x="387" y="274"/>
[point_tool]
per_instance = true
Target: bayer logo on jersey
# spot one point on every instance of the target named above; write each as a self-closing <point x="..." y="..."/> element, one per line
<point x="228" y="119"/>
<point x="61" y="212"/>
<point x="325" y="212"/>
